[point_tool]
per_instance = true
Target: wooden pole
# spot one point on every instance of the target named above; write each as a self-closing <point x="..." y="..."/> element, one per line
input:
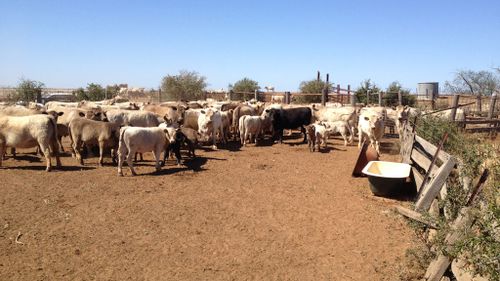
<point x="324" y="96"/>
<point x="317" y="78"/>
<point x="367" y="97"/>
<point x="400" y="98"/>
<point x="379" y="98"/>
<point x="479" y="104"/>
<point x="352" y="96"/>
<point x="339" y="98"/>
<point x="159" y="95"/>
<point x="493" y="101"/>
<point x="456" y="98"/>
<point x="287" y="97"/>
<point x="256" y="95"/>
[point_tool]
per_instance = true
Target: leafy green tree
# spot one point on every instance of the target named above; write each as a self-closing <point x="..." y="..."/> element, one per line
<point x="95" y="92"/>
<point x="366" y="86"/>
<point x="245" y="85"/>
<point x="28" y="90"/>
<point x="112" y="91"/>
<point x="311" y="87"/>
<point x="80" y="94"/>
<point x="187" y="85"/>
<point x="391" y="95"/>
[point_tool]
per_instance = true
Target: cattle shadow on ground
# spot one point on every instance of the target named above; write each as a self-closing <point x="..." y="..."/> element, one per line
<point x="330" y="149"/>
<point x="54" y="169"/>
<point x="27" y="157"/>
<point x="190" y="164"/>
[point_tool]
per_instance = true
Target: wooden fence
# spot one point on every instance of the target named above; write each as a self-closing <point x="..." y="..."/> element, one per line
<point x="431" y="167"/>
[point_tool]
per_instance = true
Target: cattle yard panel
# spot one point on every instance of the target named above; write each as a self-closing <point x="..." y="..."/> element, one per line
<point x="431" y="166"/>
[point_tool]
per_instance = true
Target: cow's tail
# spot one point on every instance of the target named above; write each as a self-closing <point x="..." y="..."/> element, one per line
<point x="236" y="118"/>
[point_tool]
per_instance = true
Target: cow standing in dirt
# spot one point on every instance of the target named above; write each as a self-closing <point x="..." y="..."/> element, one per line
<point x="92" y="132"/>
<point x="30" y="131"/>
<point x="139" y="140"/>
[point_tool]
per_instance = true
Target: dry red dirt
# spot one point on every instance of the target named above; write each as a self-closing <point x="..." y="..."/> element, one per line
<point x="257" y="213"/>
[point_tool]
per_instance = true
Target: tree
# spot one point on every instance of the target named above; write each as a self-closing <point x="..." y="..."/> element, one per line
<point x="80" y="94"/>
<point x="366" y="86"/>
<point x="391" y="95"/>
<point x="95" y="92"/>
<point x="476" y="83"/>
<point x="311" y="87"/>
<point x="245" y="85"/>
<point x="112" y="91"/>
<point x="188" y="85"/>
<point x="28" y="90"/>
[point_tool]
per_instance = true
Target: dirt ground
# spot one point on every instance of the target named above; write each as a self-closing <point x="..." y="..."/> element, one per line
<point x="272" y="212"/>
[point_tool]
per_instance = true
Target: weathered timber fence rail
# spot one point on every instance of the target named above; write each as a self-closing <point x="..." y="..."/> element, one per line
<point x="431" y="167"/>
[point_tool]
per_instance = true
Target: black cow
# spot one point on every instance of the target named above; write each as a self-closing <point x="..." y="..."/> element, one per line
<point x="183" y="136"/>
<point x="289" y="118"/>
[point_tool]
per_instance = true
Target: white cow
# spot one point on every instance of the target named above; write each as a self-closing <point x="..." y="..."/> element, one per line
<point x="340" y="127"/>
<point x="250" y="128"/>
<point x="134" y="118"/>
<point x="210" y="124"/>
<point x="139" y="140"/>
<point x="30" y="131"/>
<point x="332" y="114"/>
<point x="371" y="126"/>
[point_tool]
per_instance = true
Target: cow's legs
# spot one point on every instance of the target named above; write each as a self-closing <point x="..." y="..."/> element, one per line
<point x="55" y="152"/>
<point x="303" y="131"/>
<point x="2" y="152"/>
<point x="122" y="151"/>
<point x="60" y="143"/>
<point x="157" y="155"/>
<point x="130" y="163"/>
<point x="46" y="152"/>
<point x="360" y="137"/>
<point x="101" y="152"/>
<point x="76" y="148"/>
<point x="214" y="141"/>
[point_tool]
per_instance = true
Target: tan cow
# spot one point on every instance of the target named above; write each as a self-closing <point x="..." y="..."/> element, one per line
<point x="90" y="132"/>
<point x="30" y="131"/>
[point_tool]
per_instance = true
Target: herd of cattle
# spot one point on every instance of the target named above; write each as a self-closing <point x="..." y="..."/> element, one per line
<point x="129" y="128"/>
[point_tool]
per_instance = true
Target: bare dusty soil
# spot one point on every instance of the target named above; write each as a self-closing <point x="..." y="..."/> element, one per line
<point x="272" y="212"/>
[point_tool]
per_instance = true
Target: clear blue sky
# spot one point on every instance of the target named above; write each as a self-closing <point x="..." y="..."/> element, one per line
<point x="279" y="43"/>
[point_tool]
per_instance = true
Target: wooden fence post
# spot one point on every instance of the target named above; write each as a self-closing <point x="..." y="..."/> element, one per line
<point x="159" y="95"/>
<point x="287" y="97"/>
<point x="379" y="98"/>
<point x="324" y="96"/>
<point x="493" y="101"/>
<point x="256" y="95"/>
<point x="479" y="104"/>
<point x="349" y="97"/>
<point x="400" y="98"/>
<point x="230" y="94"/>
<point x="454" y="109"/>
<point x="367" y="97"/>
<point x="317" y="78"/>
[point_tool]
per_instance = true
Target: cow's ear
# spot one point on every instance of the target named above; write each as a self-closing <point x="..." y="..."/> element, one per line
<point x="367" y="119"/>
<point x="203" y="112"/>
<point x="81" y="114"/>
